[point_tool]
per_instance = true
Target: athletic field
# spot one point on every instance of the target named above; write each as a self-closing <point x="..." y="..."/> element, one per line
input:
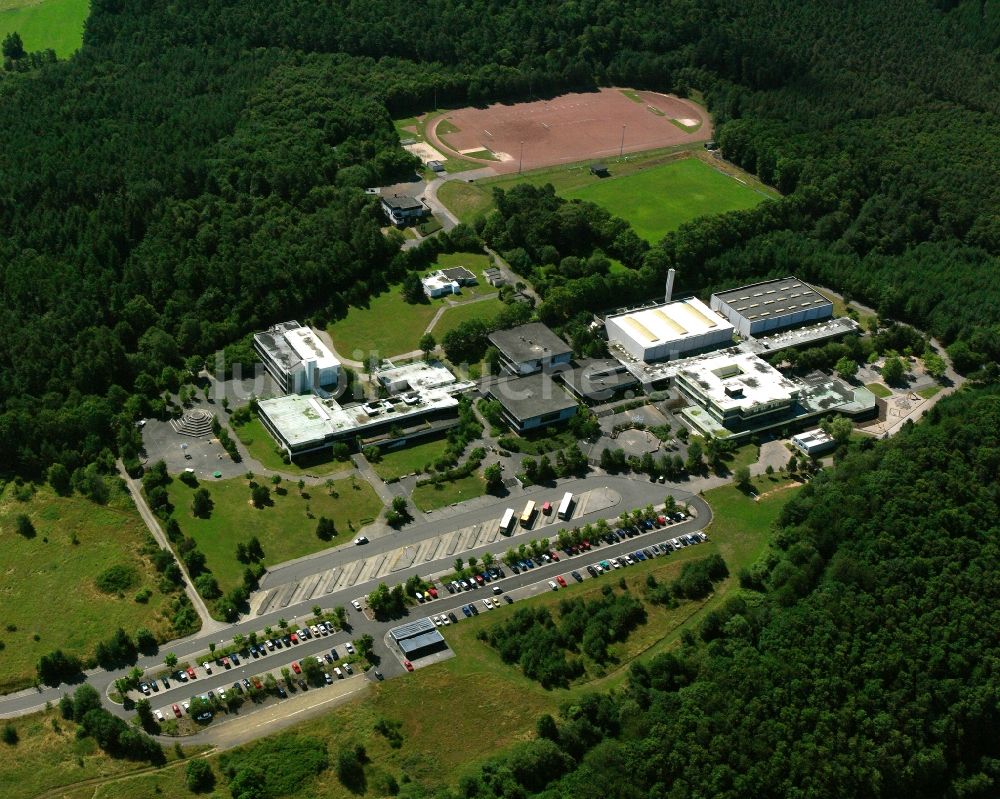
<point x="660" y="199"/>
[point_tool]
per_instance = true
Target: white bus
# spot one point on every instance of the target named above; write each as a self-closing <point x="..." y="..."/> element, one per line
<point x="507" y="522"/>
<point x="528" y="514"/>
<point x="566" y="506"/>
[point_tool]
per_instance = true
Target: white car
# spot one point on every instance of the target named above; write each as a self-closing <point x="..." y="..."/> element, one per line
<point x="208" y="667"/>
<point x="553" y="586"/>
<point x="159" y="715"/>
<point x="314" y="630"/>
<point x="437" y="621"/>
<point x="186" y="706"/>
<point x="350" y="647"/>
<point x="357" y="605"/>
<point x="445" y="620"/>
<point x="361" y="539"/>
<point x="488" y="602"/>
<point x="348" y="669"/>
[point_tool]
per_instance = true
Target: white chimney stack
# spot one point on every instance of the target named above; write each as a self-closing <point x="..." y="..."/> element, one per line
<point x="670" y="285"/>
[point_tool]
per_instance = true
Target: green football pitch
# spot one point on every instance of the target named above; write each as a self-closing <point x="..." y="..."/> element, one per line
<point x="660" y="199"/>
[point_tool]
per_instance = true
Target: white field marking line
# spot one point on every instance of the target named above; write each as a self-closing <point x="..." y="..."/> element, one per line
<point x="487" y="132"/>
<point x="306" y="709"/>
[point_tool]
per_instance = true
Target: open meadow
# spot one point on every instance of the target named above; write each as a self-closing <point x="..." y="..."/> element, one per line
<point x="48" y="595"/>
<point x="286" y="528"/>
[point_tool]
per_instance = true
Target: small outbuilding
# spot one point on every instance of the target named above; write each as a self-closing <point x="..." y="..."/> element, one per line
<point x="599" y="170"/>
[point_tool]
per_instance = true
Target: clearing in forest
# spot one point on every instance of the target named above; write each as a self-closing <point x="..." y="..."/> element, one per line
<point x="45" y="24"/>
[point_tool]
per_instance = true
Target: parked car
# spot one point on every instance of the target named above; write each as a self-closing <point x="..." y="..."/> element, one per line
<point x="347" y="668"/>
<point x="561" y="580"/>
<point x="166" y="684"/>
<point x="333" y="653"/>
<point x="378" y="675"/>
<point x="177" y="711"/>
<point x="191" y="673"/>
<point x="294" y="637"/>
<point x="433" y="592"/>
<point x="407" y="665"/>
<point x="246" y="683"/>
<point x="361" y="539"/>
<point x="235" y="658"/>
<point x="144" y="688"/>
<point x="226" y="663"/>
<point x="328" y="657"/>
<point x="282" y="692"/>
<point x="553" y="586"/>
<point x="296" y="667"/>
<point x="488" y="603"/>
<point x="593" y="571"/>
<point x="349" y="647"/>
<point x="576" y="576"/>
<point x="327" y="678"/>
<point x="357" y="605"/>
<point x="466" y="611"/>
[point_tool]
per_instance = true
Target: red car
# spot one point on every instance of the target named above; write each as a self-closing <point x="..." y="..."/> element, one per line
<point x="554" y="556"/>
<point x="226" y="663"/>
<point x="409" y="666"/>
<point x="433" y="592"/>
<point x="190" y="673"/>
<point x="294" y="637"/>
<point x="585" y="545"/>
<point x="296" y="668"/>
<point x="479" y="579"/>
<point x="177" y="710"/>
<point x="560" y="580"/>
<point x="547" y="508"/>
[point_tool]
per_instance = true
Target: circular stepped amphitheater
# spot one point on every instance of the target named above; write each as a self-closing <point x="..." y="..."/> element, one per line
<point x="194" y="423"/>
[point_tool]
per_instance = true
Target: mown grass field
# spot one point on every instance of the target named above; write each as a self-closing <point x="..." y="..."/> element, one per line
<point x="662" y="198"/>
<point x="879" y="390"/>
<point x="431" y="497"/>
<point x="655" y="192"/>
<point x="45" y="24"/>
<point x="441" y="709"/>
<point x="409" y="459"/>
<point x="47" y="587"/>
<point x="484" y="310"/>
<point x="285" y="528"/>
<point x="390" y="326"/>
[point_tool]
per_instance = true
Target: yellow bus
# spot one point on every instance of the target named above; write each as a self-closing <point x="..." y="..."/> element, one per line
<point x="528" y="514"/>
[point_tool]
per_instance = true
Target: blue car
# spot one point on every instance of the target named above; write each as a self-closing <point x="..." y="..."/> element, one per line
<point x="638" y="556"/>
<point x="466" y="611"/>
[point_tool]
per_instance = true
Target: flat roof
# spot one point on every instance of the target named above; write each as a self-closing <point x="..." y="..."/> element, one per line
<point x="529" y="342"/>
<point x="402" y="202"/>
<point x="674" y="321"/>
<point x="531" y="396"/>
<point x="597" y="375"/>
<point x="303" y="419"/>
<point x="411" y="629"/>
<point x="309" y="347"/>
<point x="739" y="381"/>
<point x="289" y="344"/>
<point x="812" y="438"/>
<point x="422" y="641"/>
<point x="772" y="298"/>
<point x="457" y="273"/>
<point x="422" y="375"/>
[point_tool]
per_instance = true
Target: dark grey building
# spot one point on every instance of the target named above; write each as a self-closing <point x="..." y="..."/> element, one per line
<point x="530" y="348"/>
<point x="532" y="402"/>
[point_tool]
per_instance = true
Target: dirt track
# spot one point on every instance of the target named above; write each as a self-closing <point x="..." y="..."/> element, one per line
<point x="572" y="127"/>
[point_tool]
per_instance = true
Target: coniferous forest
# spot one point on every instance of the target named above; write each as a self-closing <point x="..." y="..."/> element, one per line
<point x="196" y="172"/>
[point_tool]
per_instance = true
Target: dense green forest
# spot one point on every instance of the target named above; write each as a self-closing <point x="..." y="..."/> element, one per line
<point x="195" y="172"/>
<point x="867" y="667"/>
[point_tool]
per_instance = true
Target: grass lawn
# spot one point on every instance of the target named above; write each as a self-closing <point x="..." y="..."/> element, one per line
<point x="285" y="529"/>
<point x="662" y="198"/>
<point x="365" y="330"/>
<point x="45" y="24"/>
<point x="431" y="497"/>
<point x="878" y="390"/>
<point x="655" y="192"/>
<point x="746" y="455"/>
<point x="484" y="310"/>
<point x="407" y="460"/>
<point x="48" y="585"/>
<point x="928" y="391"/>
<point x="261" y="446"/>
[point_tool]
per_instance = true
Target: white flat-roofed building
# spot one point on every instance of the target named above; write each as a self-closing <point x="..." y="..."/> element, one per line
<point x="668" y="331"/>
<point x="420" y="375"/>
<point x="772" y="305"/>
<point x="307" y="423"/>
<point x="813" y="442"/>
<point x="296" y="358"/>
<point x="738" y="391"/>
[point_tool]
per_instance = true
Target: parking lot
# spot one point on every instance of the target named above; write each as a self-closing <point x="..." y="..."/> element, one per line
<point x="437" y="548"/>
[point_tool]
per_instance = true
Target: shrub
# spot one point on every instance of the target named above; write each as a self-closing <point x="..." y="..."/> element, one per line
<point x="117" y="579"/>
